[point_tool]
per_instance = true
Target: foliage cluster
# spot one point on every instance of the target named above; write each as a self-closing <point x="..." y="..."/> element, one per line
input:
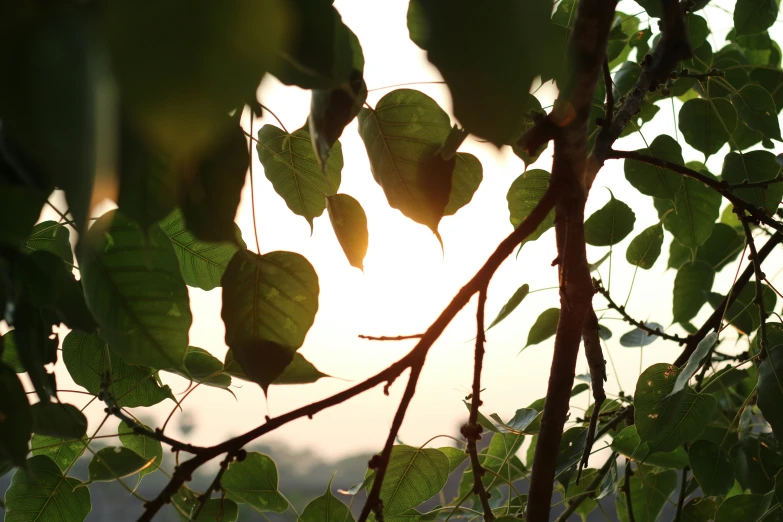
<point x="163" y="85"/>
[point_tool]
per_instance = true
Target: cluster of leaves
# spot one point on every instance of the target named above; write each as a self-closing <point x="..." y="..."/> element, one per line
<point x="176" y="103"/>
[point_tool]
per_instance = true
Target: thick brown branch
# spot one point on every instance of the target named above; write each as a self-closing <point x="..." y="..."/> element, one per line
<point x="630" y="320"/>
<point x="374" y="502"/>
<point x="185" y="470"/>
<point x="597" y="365"/>
<point x="472" y="430"/>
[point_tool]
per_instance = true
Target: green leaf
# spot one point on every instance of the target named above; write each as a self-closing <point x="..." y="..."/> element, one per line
<point x="254" y="482"/>
<point x="300" y="371"/>
<point x="16" y="422"/>
<point x="456" y="457"/>
<point x="134" y="288"/>
<point x="482" y="420"/>
<point x="465" y="180"/>
<point x="132" y="386"/>
<point x="609" y="225"/>
<point x="691" y="286"/>
<point x="204" y="368"/>
<point x="698" y="29"/>
<point x="743" y="314"/>
<point x="53" y="237"/>
<point x="202" y="263"/>
<point x="290" y="164"/>
<point x="472" y="45"/>
<point x="350" y="226"/>
<point x="756" y="109"/>
<point x="42" y="493"/>
<point x="652" y="180"/>
<point x="712" y="467"/>
<point x="625" y="78"/>
<point x="700" y="509"/>
<point x="572" y="446"/>
<point x="628" y="443"/>
<point x="327" y="508"/>
<point x="186" y="501"/>
<point x="209" y="198"/>
<point x="269" y="304"/>
<point x="742" y="507"/>
<point x="666" y="422"/>
<point x="412" y="476"/>
<point x="707" y="125"/>
<point x="523" y="196"/>
<point x="694" y="362"/>
<point x="525" y="420"/>
<point x="402" y="137"/>
<point x="116" y="462"/>
<point x="149" y="183"/>
<point x="638" y="338"/>
<point x="754" y="16"/>
<point x="544" y="327"/>
<point x="645" y="248"/>
<point x="55" y="419"/>
<point x="754" y="166"/>
<point x="145" y="447"/>
<point x="63" y="452"/>
<point x="331" y="111"/>
<point x="10" y="354"/>
<point x="770" y="390"/>
<point x="721" y="248"/>
<point x="35" y="348"/>
<point x="650" y="490"/>
<point x="532" y="109"/>
<point x="692" y="217"/>
<point x="499" y="457"/>
<point x="20" y="207"/>
<point x="512" y="304"/>
<point x="417" y="24"/>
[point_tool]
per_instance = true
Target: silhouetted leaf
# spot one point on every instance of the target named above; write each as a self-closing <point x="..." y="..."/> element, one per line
<point x="417" y="24"/>
<point x="55" y="419"/>
<point x="350" y="226"/>
<point x="116" y="462"/>
<point x="712" y="467"/>
<point x="134" y="288"/>
<point x="144" y="446"/>
<point x="20" y="207"/>
<point x="511" y="305"/>
<point x="204" y="368"/>
<point x="42" y="493"/>
<point x="132" y="386"/>
<point x="707" y="125"/>
<point x="402" y="136"/>
<point x="291" y="165"/>
<point x="638" y="338"/>
<point x="721" y="248"/>
<point x="691" y="287"/>
<point x="645" y="248"/>
<point x="531" y="110"/>
<point x="655" y="181"/>
<point x="544" y="327"/>
<point x="201" y="263"/>
<point x="10" y="353"/>
<point x="472" y="44"/>
<point x="210" y="196"/>
<point x="52" y="237"/>
<point x="609" y="225"/>
<point x="756" y="109"/>
<point x="524" y="194"/>
<point x="754" y="166"/>
<point x="698" y="30"/>
<point x="16" y="422"/>
<point x="754" y="16"/>
<point x="254" y="482"/>
<point x="269" y="304"/>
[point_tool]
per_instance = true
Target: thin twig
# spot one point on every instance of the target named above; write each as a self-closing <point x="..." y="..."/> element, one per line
<point x="472" y="430"/>
<point x="681" y="498"/>
<point x="590" y="490"/>
<point x="214" y="486"/>
<point x="630" y="320"/>
<point x="267" y="109"/>
<point x="597" y="365"/>
<point x="759" y="277"/>
<point x="395" y="338"/>
<point x="252" y="188"/>
<point x="627" y="490"/>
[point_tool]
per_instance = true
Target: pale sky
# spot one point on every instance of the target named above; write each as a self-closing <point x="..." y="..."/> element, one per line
<point x="407" y="280"/>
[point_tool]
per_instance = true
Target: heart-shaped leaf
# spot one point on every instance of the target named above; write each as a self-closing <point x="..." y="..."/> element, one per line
<point x="63" y="452"/>
<point x="754" y="16"/>
<point x="655" y="181"/>
<point x="64" y="421"/>
<point x="754" y="166"/>
<point x="114" y="463"/>
<point x="638" y="338"/>
<point x="756" y="109"/>
<point x="707" y="125"/>
<point x="610" y="224"/>
<point x="645" y="248"/>
<point x="350" y="226"/>
<point x="253" y="481"/>
<point x="523" y="196"/>
<point x="691" y="287"/>
<point x="146" y="447"/>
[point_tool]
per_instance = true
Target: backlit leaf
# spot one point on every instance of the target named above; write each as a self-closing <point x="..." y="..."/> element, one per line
<point x="523" y="196"/>
<point x="511" y="305"/>
<point x="291" y="165"/>
<point x="544" y="327"/>
<point x="756" y="109"/>
<point x="412" y="476"/>
<point x="134" y="288"/>
<point x="707" y="125"/>
<point x="655" y="181"/>
<point x="326" y="508"/>
<point x="742" y="507"/>
<point x="52" y="237"/>
<point x="42" y="493"/>
<point x="300" y="371"/>
<point x="754" y="166"/>
<point x="63" y="452"/>
<point x="254" y="482"/>
<point x="754" y="16"/>
<point x="638" y="338"/>
<point x="645" y="248"/>
<point x="691" y="287"/>
<point x="350" y="226"/>
<point x="146" y="447"/>
<point x="60" y="420"/>
<point x="692" y="217"/>
<point x="465" y="180"/>
<point x="609" y="225"/>
<point x="114" y="463"/>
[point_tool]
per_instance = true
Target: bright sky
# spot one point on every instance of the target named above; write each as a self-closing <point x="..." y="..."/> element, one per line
<point x="407" y="281"/>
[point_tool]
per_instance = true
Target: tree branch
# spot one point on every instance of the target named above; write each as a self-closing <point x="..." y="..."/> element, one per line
<point x="215" y="485"/>
<point x="627" y="490"/>
<point x="759" y="277"/>
<point x="630" y="320"/>
<point x="590" y="490"/>
<point x="597" y="365"/>
<point x="472" y="430"/>
<point x="386" y="338"/>
<point x="681" y="498"/>
<point x="184" y="471"/>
